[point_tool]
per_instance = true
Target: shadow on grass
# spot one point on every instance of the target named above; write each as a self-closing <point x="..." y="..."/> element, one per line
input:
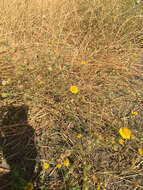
<point x="17" y="148"/>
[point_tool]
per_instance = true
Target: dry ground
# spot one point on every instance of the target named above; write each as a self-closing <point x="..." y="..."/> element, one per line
<point x="42" y="46"/>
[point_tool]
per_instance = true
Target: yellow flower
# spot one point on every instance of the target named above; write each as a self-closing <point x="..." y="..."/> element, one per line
<point x="113" y="142"/>
<point x="74" y="89"/>
<point x="125" y="132"/>
<point x="4" y="95"/>
<point x="134" y="112"/>
<point x="79" y="135"/>
<point x="83" y="62"/>
<point x="121" y="142"/>
<point x="29" y="186"/>
<point x="8" y="80"/>
<point x="40" y="83"/>
<point x="135" y="54"/>
<point x="89" y="166"/>
<point x="66" y="162"/>
<point x="45" y="165"/>
<point x="140" y="151"/>
<point x="98" y="187"/>
<point x="59" y="165"/>
<point x="22" y="69"/>
<point x="1" y="40"/>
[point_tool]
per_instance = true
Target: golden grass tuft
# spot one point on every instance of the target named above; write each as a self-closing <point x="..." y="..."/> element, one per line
<point x="48" y="46"/>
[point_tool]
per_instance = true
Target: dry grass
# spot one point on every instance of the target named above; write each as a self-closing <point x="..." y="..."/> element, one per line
<point x="42" y="45"/>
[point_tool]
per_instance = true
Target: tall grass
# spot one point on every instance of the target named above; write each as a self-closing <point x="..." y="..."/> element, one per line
<point x="43" y="45"/>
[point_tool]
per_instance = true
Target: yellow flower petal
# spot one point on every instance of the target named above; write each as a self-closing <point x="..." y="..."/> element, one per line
<point x="40" y="83"/>
<point x="4" y="95"/>
<point x="66" y="162"/>
<point x="79" y="135"/>
<point x="98" y="186"/>
<point x="134" y="112"/>
<point x="45" y="165"/>
<point x="113" y="142"/>
<point x="140" y="151"/>
<point x="8" y="80"/>
<point x="89" y="166"/>
<point x="83" y="62"/>
<point x="59" y="165"/>
<point x="121" y="142"/>
<point x="125" y="132"/>
<point x="74" y="89"/>
<point x="2" y="40"/>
